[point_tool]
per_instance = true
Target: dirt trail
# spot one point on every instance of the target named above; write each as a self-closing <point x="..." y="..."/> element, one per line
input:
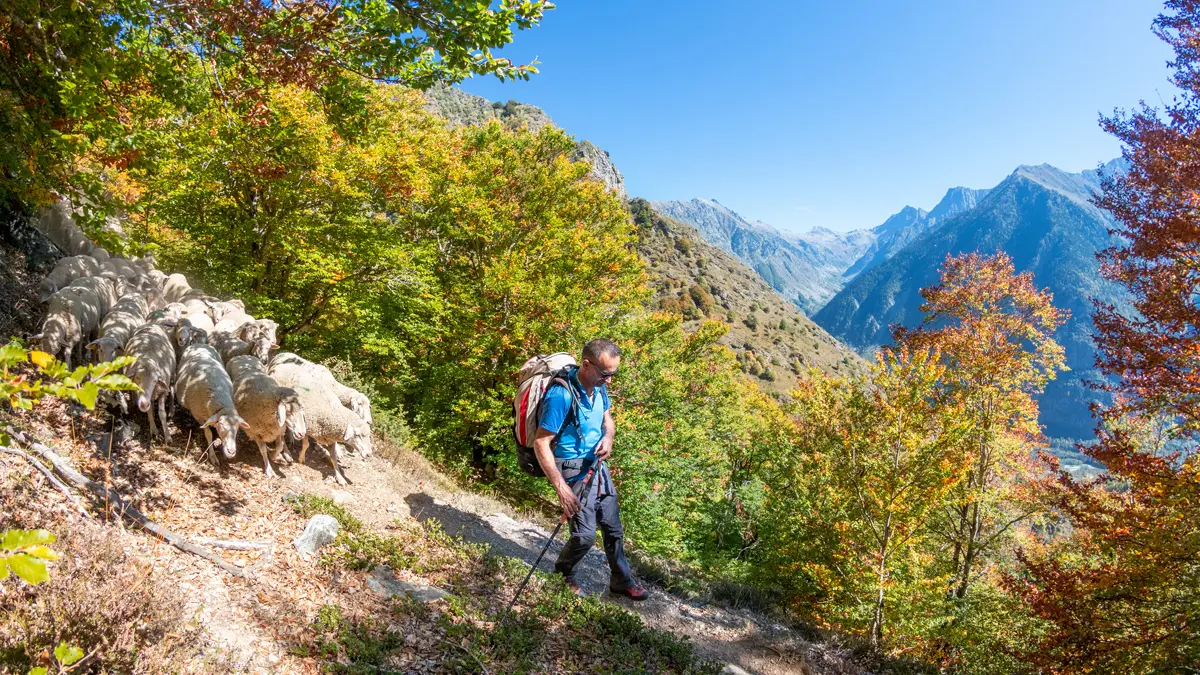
<point x="381" y="492"/>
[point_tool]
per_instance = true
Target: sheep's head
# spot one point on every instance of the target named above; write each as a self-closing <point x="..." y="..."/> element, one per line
<point x="361" y="405"/>
<point x="53" y="338"/>
<point x="226" y="423"/>
<point x="291" y="414"/>
<point x="358" y="436"/>
<point x="104" y="349"/>
<point x="46" y="288"/>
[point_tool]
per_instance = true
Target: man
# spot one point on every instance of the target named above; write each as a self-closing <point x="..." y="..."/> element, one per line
<point x="584" y="440"/>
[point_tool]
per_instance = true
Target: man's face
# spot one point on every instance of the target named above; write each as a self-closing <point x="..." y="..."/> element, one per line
<point x="602" y="369"/>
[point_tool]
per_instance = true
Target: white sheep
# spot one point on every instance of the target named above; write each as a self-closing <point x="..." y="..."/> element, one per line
<point x="223" y="308"/>
<point x="203" y="387"/>
<point x="268" y="408"/>
<point x="100" y="254"/>
<point x="73" y="315"/>
<point x="107" y="289"/>
<point x="175" y="287"/>
<point x="328" y="422"/>
<point x="228" y="345"/>
<point x="118" y="326"/>
<point x="158" y="278"/>
<point x="347" y="396"/>
<point x="146" y="263"/>
<point x="67" y="270"/>
<point x="121" y="267"/>
<point x="152" y="370"/>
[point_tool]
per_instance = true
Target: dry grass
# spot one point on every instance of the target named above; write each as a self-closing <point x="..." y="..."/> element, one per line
<point x="98" y="597"/>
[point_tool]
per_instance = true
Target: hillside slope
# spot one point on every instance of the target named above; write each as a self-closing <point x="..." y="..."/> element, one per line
<point x="774" y="340"/>
<point x="1041" y="217"/>
<point x="805" y="270"/>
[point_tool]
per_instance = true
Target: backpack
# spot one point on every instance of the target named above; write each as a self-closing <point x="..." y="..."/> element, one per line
<point x="533" y="380"/>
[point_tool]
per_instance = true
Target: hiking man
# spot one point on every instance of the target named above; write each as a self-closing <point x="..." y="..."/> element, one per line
<point x="582" y="445"/>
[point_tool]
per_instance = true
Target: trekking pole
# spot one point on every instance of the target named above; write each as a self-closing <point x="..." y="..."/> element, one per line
<point x="587" y="488"/>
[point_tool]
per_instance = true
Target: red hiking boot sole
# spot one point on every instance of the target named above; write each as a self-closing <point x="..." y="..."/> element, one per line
<point x="633" y="593"/>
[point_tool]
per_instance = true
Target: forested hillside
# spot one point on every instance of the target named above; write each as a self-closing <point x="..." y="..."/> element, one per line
<point x="774" y="341"/>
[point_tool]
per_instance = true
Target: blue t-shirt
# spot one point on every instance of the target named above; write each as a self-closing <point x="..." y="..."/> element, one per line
<point x="578" y="439"/>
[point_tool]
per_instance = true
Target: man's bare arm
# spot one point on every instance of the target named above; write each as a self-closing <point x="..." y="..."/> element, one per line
<point x="545" y="458"/>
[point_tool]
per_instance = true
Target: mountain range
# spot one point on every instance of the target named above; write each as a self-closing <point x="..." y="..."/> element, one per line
<point x="807" y="270"/>
<point x="1041" y="216"/>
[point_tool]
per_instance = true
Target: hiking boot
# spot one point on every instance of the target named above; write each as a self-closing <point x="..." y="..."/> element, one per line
<point x="633" y="592"/>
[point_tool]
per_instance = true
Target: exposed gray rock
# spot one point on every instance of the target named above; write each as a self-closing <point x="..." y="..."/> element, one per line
<point x="731" y="669"/>
<point x="384" y="582"/>
<point x="320" y="530"/>
<point x="461" y="109"/>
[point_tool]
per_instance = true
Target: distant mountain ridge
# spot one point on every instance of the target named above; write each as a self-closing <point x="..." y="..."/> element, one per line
<point x="806" y="269"/>
<point x="810" y="268"/>
<point x="1040" y="216"/>
<point x="911" y="223"/>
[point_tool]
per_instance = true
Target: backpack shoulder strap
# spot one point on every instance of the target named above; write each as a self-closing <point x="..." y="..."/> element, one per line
<point x="562" y="380"/>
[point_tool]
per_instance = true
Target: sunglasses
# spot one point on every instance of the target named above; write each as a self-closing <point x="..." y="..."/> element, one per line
<point x="603" y="375"/>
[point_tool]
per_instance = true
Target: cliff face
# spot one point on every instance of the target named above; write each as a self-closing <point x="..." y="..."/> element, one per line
<point x="460" y="108"/>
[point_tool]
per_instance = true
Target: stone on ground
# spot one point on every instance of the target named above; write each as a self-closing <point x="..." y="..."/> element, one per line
<point x="384" y="582"/>
<point x="320" y="530"/>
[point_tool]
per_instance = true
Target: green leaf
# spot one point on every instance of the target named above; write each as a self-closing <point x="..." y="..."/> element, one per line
<point x="87" y="395"/>
<point x="38" y="671"/>
<point x="30" y="569"/>
<point x="11" y="353"/>
<point x="16" y="539"/>
<point x="67" y="654"/>
<point x="43" y="552"/>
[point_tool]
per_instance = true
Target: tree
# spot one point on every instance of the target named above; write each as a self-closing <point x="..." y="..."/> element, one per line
<point x="873" y="459"/>
<point x="77" y="73"/>
<point x="1124" y="593"/>
<point x="994" y="331"/>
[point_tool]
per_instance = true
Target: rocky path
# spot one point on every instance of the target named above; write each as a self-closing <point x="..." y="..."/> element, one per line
<point x="382" y="491"/>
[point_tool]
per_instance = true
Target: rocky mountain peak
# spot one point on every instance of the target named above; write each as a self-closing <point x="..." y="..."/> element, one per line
<point x="459" y="108"/>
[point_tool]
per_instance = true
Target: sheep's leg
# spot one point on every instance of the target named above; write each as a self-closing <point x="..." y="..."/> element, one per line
<point x="262" y="448"/>
<point x="337" y="470"/>
<point x="303" y="448"/>
<point x="209" y="450"/>
<point x="150" y="416"/>
<point x="162" y="415"/>
<point x="281" y="454"/>
<point x="124" y="405"/>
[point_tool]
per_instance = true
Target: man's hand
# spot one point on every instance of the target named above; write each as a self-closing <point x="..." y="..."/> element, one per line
<point x="567" y="499"/>
<point x="604" y="451"/>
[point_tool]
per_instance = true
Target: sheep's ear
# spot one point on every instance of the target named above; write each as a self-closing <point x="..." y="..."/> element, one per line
<point x="94" y="345"/>
<point x="242" y="424"/>
<point x="281" y="413"/>
<point x="349" y="432"/>
<point x="36" y="337"/>
<point x="210" y="421"/>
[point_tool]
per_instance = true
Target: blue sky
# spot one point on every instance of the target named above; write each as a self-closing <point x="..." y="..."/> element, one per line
<point x="837" y="114"/>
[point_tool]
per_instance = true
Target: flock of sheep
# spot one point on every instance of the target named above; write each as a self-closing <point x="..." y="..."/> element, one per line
<point x="203" y="353"/>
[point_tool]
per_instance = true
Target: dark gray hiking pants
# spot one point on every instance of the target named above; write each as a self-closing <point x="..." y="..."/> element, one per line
<point x="598" y="507"/>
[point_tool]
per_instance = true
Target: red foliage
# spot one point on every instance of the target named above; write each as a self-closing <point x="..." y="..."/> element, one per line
<point x="1123" y="595"/>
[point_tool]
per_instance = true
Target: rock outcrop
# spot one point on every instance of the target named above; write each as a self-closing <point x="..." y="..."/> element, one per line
<point x="460" y="108"/>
